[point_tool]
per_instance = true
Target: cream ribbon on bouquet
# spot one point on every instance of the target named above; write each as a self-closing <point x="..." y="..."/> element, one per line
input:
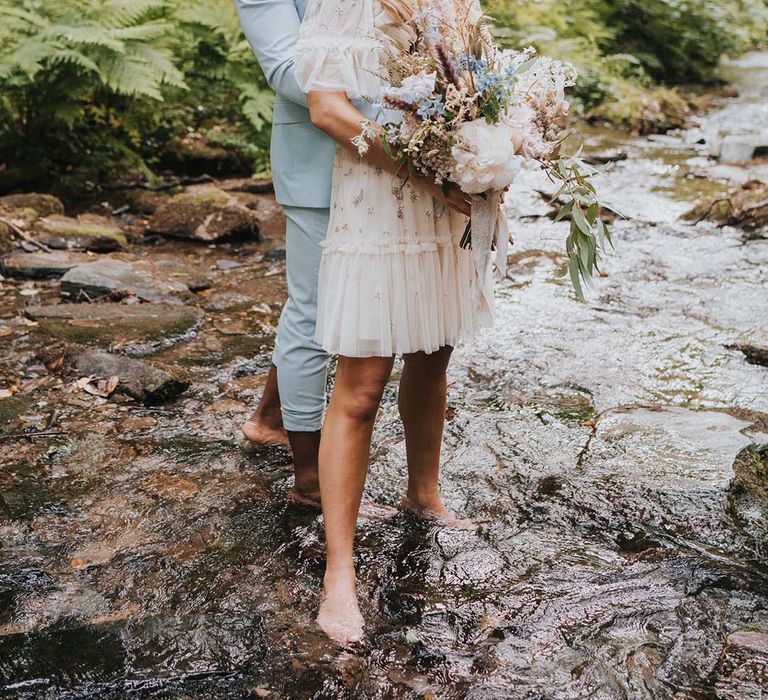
<point x="487" y="228"/>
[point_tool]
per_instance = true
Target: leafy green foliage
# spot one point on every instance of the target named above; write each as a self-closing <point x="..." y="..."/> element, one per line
<point x="100" y="81"/>
<point x="623" y="49"/>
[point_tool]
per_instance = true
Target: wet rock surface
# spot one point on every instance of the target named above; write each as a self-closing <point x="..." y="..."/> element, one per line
<point x="613" y="455"/>
<point x="110" y="276"/>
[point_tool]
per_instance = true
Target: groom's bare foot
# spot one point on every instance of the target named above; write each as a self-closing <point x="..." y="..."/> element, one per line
<point x="263" y="431"/>
<point x="437" y="512"/>
<point x="300" y="498"/>
<point x="339" y="615"/>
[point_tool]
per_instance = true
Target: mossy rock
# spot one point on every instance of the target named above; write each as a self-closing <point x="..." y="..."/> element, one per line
<point x="5" y="238"/>
<point x="41" y="204"/>
<point x="205" y="214"/>
<point x="87" y="232"/>
<point x="199" y="157"/>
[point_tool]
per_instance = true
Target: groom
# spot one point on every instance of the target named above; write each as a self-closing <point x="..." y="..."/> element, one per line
<point x="302" y="163"/>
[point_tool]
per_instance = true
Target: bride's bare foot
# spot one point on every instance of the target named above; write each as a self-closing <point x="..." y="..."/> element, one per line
<point x="265" y="431"/>
<point x="437" y="512"/>
<point x="339" y="615"/>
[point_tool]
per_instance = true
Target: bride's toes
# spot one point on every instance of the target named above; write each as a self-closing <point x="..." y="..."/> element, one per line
<point x="439" y="514"/>
<point x="339" y="617"/>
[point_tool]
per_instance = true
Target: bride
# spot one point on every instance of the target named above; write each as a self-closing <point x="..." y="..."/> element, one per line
<point x="393" y="280"/>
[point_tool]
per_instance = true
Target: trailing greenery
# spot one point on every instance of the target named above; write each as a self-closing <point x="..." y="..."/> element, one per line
<point x="90" y="88"/>
<point x="89" y="83"/>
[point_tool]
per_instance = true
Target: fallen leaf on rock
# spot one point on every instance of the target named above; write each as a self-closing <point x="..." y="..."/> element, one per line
<point x="5" y="330"/>
<point x="98" y="387"/>
<point x="8" y="392"/>
<point x="56" y="363"/>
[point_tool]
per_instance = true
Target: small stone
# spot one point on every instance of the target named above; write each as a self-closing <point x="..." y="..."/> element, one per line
<point x="228" y="264"/>
<point x="749" y="641"/>
<point x="87" y="232"/>
<point x="109" y="276"/>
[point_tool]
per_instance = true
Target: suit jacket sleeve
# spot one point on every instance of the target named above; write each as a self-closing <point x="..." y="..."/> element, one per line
<point x="272" y="30"/>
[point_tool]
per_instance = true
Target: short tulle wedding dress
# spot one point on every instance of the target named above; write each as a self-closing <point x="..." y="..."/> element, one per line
<point x="393" y="278"/>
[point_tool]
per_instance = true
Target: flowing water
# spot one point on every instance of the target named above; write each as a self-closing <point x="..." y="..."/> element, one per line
<point x="613" y="454"/>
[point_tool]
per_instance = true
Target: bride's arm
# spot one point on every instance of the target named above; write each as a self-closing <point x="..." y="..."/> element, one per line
<point x="333" y="113"/>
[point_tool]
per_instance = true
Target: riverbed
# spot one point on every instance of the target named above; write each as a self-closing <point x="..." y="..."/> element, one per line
<point x="613" y="454"/>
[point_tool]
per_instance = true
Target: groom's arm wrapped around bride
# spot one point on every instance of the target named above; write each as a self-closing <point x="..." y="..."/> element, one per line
<point x="302" y="156"/>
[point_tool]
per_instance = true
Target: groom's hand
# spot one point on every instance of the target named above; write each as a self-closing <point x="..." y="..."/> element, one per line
<point x="451" y="196"/>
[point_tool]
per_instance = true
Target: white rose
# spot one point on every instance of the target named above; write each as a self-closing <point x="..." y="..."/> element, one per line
<point x="485" y="157"/>
<point x="527" y="137"/>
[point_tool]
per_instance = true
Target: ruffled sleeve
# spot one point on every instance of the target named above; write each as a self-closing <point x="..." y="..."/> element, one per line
<point x="337" y="50"/>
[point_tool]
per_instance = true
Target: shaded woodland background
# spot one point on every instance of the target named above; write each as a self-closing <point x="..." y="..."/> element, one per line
<point x="100" y="93"/>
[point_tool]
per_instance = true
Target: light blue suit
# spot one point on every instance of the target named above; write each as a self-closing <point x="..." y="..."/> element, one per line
<point x="302" y="166"/>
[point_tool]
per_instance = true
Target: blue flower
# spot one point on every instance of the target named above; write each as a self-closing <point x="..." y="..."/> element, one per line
<point x="430" y="107"/>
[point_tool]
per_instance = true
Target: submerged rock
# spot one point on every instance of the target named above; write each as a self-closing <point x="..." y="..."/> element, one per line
<point x="109" y="276"/>
<point x="205" y="214"/>
<point x="105" y="325"/>
<point x="136" y="379"/>
<point x="746" y="208"/>
<point x="86" y="232"/>
<point x="755" y="354"/>
<point x="41" y="204"/>
<point x="38" y="265"/>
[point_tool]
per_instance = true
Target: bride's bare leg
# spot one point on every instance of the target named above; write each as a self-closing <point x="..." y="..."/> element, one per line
<point x="344" y="451"/>
<point x="422" y="401"/>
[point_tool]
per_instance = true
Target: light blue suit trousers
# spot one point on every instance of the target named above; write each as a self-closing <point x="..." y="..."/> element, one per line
<point x="302" y="167"/>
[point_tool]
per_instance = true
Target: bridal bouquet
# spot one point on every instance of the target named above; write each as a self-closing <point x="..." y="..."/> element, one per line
<point x="474" y="115"/>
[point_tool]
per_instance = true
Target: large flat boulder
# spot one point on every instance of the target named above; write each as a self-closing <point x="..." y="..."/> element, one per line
<point x="205" y="214"/>
<point x="109" y="276"/>
<point x="87" y="232"/>
<point x="41" y="265"/>
<point x="143" y="382"/>
<point x="107" y="324"/>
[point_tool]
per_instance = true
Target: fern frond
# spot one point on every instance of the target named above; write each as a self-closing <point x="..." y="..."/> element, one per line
<point x="160" y="62"/>
<point x="124" y="13"/>
<point x="127" y="75"/>
<point x="88" y="35"/>
<point x="75" y="58"/>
